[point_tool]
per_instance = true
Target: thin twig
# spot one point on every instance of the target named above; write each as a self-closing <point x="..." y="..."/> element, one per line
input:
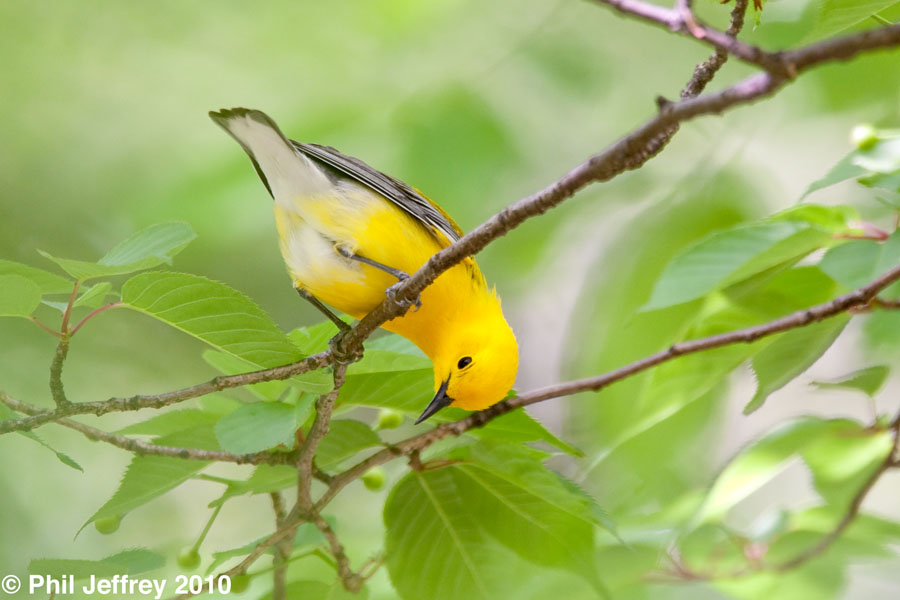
<point x="705" y="71"/>
<point x="217" y="384"/>
<point x="59" y="356"/>
<point x="352" y="581"/>
<point x="46" y="328"/>
<point x="67" y="313"/>
<point x="680" y="571"/>
<point x="93" y="314"/>
<point x="142" y="448"/>
<point x="630" y="152"/>
<point x="853" y="510"/>
<point x="318" y="430"/>
<point x="282" y="551"/>
<point x="839" y="305"/>
<point x="56" y="384"/>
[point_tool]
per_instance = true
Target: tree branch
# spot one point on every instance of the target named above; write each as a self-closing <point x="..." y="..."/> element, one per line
<point x="352" y="581"/>
<point x="318" y="430"/>
<point x="217" y="384"/>
<point x="705" y="71"/>
<point x="630" y="152"/>
<point x="682" y="571"/>
<point x="859" y="297"/>
<point x="142" y="448"/>
<point x="852" y="512"/>
<point x="56" y="385"/>
<point x="282" y="551"/>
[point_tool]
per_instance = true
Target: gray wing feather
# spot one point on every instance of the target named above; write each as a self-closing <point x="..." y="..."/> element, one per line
<point x="405" y="197"/>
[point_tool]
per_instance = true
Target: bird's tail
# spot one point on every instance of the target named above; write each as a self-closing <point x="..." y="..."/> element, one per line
<point x="284" y="171"/>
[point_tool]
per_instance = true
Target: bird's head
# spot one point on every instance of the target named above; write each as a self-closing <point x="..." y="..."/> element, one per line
<point x="476" y="362"/>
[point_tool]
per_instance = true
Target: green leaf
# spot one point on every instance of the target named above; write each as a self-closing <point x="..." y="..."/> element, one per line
<point x="425" y="510"/>
<point x="512" y="498"/>
<point x="868" y="380"/>
<point x="727" y="257"/>
<point x="256" y="427"/>
<point x="148" y="477"/>
<point x="314" y="339"/>
<point x="842" y="462"/>
<point x="757" y="464"/>
<point x="835" y="219"/>
<point x="834" y="16"/>
<point x="514" y="426"/>
<point x="409" y="391"/>
<point x="172" y="422"/>
<point x="317" y="590"/>
<point x="229" y="364"/>
<point x="788" y="291"/>
<point x="522" y="467"/>
<point x="63" y="457"/>
<point x="8" y="414"/>
<point x="671" y="388"/>
<point x="213" y="312"/>
<point x="394" y="343"/>
<point x="875" y="165"/>
<point x="94" y="296"/>
<point x="307" y="535"/>
<point x="132" y="562"/>
<point x="269" y="478"/>
<point x="883" y="157"/>
<point x="152" y="246"/>
<point x="19" y="296"/>
<point x="856" y="263"/>
<point x="48" y="283"/>
<point x="344" y="440"/>
<point x="79" y="569"/>
<point x="265" y="479"/>
<point x="791" y="354"/>
<point x="145" y="249"/>
<point x="845" y="169"/>
<point x="137" y="560"/>
<point x="384" y="361"/>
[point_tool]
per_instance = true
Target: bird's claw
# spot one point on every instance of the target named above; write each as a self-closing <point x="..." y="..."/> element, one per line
<point x="338" y="353"/>
<point x="391" y="293"/>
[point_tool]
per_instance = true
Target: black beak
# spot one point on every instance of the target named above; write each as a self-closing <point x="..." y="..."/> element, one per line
<point x="441" y="400"/>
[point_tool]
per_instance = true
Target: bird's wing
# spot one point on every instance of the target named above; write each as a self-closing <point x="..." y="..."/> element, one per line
<point x="408" y="199"/>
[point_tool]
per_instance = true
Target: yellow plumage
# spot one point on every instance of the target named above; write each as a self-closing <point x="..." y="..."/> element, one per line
<point x="331" y="210"/>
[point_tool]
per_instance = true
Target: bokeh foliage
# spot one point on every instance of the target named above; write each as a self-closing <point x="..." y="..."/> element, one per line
<point x="105" y="138"/>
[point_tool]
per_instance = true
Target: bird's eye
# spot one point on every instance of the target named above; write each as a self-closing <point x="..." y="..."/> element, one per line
<point x="464" y="362"/>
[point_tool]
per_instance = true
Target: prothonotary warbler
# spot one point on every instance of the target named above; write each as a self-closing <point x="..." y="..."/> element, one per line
<point x="349" y="232"/>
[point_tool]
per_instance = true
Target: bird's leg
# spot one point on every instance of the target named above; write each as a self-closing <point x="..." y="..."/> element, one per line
<point x="400" y="275"/>
<point x="334" y="343"/>
<point x="343" y="327"/>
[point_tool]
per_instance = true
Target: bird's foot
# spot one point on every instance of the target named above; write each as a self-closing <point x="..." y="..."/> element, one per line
<point x="339" y="354"/>
<point x="391" y="293"/>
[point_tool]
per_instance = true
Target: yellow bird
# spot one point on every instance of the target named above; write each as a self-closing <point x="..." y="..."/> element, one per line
<point x="349" y="232"/>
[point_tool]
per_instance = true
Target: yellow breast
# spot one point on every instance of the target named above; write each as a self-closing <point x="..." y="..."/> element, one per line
<point x="369" y="225"/>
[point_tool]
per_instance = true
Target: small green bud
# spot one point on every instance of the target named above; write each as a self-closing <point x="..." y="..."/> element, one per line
<point x="374" y="478"/>
<point x="188" y="559"/>
<point x="239" y="584"/>
<point x="864" y="136"/>
<point x="389" y="418"/>
<point x="108" y="525"/>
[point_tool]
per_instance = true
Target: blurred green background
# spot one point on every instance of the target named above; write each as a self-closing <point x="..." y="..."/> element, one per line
<point x="104" y="131"/>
